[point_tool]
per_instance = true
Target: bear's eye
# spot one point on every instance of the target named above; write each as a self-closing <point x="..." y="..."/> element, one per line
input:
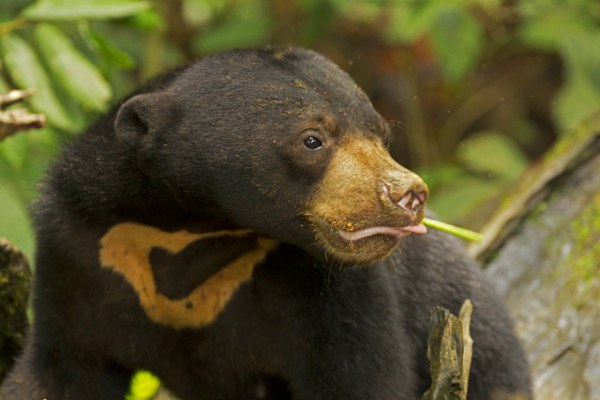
<point x="312" y="143"/>
<point x="386" y="142"/>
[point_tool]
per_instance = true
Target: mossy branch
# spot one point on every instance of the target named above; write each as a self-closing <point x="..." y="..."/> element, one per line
<point x="15" y="278"/>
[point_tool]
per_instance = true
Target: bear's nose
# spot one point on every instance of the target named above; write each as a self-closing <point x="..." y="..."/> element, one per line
<point x="409" y="195"/>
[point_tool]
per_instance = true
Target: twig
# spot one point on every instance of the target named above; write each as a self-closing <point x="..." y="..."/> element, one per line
<point x="6" y="99"/>
<point x="456" y="231"/>
<point x="19" y="120"/>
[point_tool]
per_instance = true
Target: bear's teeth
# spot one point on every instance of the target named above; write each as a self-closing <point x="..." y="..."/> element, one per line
<point x="404" y="202"/>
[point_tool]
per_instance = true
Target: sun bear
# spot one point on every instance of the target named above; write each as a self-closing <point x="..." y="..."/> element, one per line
<point x="239" y="220"/>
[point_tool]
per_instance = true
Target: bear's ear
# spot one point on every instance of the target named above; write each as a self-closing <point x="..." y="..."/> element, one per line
<point x="140" y="117"/>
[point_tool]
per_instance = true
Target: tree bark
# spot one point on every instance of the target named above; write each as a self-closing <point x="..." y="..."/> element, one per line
<point x="545" y="261"/>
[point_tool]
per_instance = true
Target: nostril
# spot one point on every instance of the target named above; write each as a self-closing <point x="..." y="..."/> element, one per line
<point x="408" y="200"/>
<point x="417" y="203"/>
<point x="393" y="196"/>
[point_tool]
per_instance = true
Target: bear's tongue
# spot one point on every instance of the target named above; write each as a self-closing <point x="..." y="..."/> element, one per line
<point x="420" y="228"/>
<point x="383" y="230"/>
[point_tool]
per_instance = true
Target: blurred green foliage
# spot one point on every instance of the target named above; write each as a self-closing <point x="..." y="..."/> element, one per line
<point x="475" y="89"/>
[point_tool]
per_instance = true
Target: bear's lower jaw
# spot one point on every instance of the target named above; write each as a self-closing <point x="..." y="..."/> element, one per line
<point x="359" y="247"/>
<point x="364" y="251"/>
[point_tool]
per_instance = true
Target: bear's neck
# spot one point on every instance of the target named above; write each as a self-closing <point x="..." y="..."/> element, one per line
<point x="105" y="186"/>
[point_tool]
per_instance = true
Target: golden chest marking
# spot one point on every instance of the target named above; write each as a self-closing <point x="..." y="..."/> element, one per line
<point x="126" y="249"/>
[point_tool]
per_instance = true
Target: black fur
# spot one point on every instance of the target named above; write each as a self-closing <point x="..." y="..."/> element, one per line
<point x="218" y="145"/>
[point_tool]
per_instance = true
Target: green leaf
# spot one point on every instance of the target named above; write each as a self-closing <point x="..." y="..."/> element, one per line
<point x="149" y="21"/>
<point x="458" y="41"/>
<point x="580" y="95"/>
<point x="14" y="151"/>
<point x="26" y="71"/>
<point x="90" y="9"/>
<point x="461" y="197"/>
<point x="576" y="100"/>
<point x="76" y="74"/>
<point x="113" y="55"/>
<point x="571" y="29"/>
<point x="246" y="24"/>
<point x="495" y="153"/>
<point x="316" y="24"/>
<point x="545" y="34"/>
<point x="441" y="175"/>
<point x="581" y="51"/>
<point x="25" y="156"/>
<point x="408" y="22"/>
<point x="197" y="12"/>
<point x="99" y="45"/>
<point x="4" y="88"/>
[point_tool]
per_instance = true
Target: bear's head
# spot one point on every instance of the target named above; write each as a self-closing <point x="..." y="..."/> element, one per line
<point x="280" y="141"/>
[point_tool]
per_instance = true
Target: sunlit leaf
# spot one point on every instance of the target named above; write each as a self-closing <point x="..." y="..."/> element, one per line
<point x="76" y="74"/>
<point x="143" y="386"/>
<point x="26" y="71"/>
<point x="90" y="9"/>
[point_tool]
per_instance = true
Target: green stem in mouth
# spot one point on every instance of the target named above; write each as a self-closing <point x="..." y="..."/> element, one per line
<point x="455" y="230"/>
